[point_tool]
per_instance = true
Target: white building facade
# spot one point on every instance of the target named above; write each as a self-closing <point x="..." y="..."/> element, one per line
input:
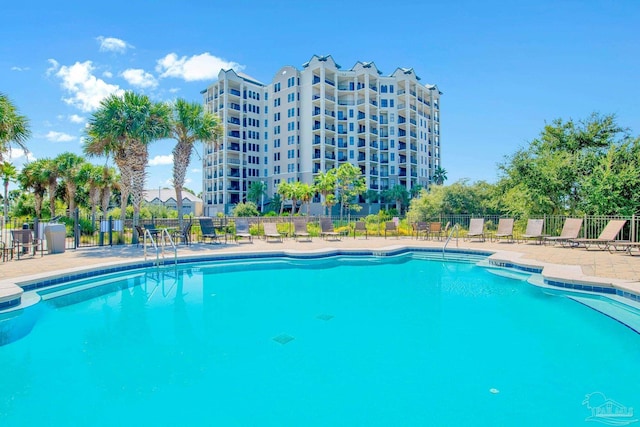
<point x="309" y="121"/>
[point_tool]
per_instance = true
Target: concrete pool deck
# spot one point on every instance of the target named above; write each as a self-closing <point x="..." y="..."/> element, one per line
<point x="575" y="265"/>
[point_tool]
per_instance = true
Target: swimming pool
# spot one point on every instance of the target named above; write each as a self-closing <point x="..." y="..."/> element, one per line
<point x="395" y="340"/>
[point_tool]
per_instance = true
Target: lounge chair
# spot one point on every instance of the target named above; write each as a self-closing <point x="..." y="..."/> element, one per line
<point x="476" y="229"/>
<point x="421" y="228"/>
<point x="300" y="229"/>
<point x="570" y="231"/>
<point x="390" y="227"/>
<point x="505" y="229"/>
<point x="242" y="230"/>
<point x="23" y="242"/>
<point x="271" y="231"/>
<point x="534" y="230"/>
<point x="326" y="229"/>
<point x="606" y="238"/>
<point x="208" y="230"/>
<point x="361" y="227"/>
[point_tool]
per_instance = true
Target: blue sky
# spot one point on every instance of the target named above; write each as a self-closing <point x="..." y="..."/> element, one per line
<point x="505" y="67"/>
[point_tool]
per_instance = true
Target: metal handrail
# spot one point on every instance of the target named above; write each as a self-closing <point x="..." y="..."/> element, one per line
<point x="456" y="228"/>
<point x="164" y="235"/>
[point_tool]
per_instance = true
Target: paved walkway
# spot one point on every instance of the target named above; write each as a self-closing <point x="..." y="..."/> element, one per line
<point x="601" y="264"/>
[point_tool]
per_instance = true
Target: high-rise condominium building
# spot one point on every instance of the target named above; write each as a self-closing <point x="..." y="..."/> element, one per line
<point x="309" y="121"/>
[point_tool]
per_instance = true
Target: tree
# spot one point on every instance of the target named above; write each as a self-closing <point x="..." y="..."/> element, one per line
<point x="305" y="193"/>
<point x="245" y="209"/>
<point x="108" y="181"/>
<point x="439" y="175"/>
<point x="398" y="194"/>
<point x="189" y="123"/>
<point x="14" y="127"/>
<point x="256" y="192"/>
<point x="550" y="175"/>
<point x="8" y="172"/>
<point x="50" y="174"/>
<point x="285" y="190"/>
<point x="325" y="184"/>
<point x="31" y="177"/>
<point x="350" y="183"/>
<point x="69" y="166"/>
<point x="123" y="127"/>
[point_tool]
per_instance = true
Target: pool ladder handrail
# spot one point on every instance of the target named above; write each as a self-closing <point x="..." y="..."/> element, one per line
<point x="456" y="228"/>
<point x="164" y="234"/>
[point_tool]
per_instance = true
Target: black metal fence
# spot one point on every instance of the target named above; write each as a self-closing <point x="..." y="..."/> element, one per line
<point x="87" y="231"/>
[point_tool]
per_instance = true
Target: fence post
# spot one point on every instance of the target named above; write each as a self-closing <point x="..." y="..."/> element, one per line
<point x="110" y="230"/>
<point x="633" y="228"/>
<point x="76" y="228"/>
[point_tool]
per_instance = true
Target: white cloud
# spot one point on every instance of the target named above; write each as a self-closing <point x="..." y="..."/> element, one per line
<point x="107" y="74"/>
<point x="19" y="68"/>
<point x="112" y="44"/>
<point x="198" y="67"/>
<point x="174" y="90"/>
<point x="54" y="66"/>
<point x="74" y="118"/>
<point x="139" y="78"/>
<point x="54" y="136"/>
<point x="161" y="160"/>
<point x="18" y="154"/>
<point x="196" y="170"/>
<point x="86" y="89"/>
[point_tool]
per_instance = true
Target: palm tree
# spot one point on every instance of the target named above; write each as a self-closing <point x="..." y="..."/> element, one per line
<point x="92" y="176"/>
<point x="8" y="172"/>
<point x="305" y="194"/>
<point x="31" y="177"/>
<point x="69" y="166"/>
<point x="14" y="128"/>
<point x="325" y="184"/>
<point x="108" y="181"/>
<point x="189" y="123"/>
<point x="285" y="191"/>
<point x="256" y="192"/>
<point x="415" y="190"/>
<point x="123" y="127"/>
<point x="439" y="175"/>
<point x="399" y="194"/>
<point x="350" y="183"/>
<point x="50" y="174"/>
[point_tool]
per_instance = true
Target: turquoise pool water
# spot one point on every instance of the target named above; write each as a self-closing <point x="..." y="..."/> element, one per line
<point x="391" y="341"/>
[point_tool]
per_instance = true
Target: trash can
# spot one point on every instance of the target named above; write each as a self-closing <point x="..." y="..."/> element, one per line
<point x="56" y="235"/>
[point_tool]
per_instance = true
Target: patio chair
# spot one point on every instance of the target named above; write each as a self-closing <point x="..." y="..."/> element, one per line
<point x="435" y="230"/>
<point x="570" y="231"/>
<point x="208" y="230"/>
<point x="361" y="227"/>
<point x="23" y="241"/>
<point x="534" y="230"/>
<point x="390" y="227"/>
<point x="184" y="235"/>
<point x="476" y="229"/>
<point x="327" y="231"/>
<point x="505" y="229"/>
<point x="606" y="238"/>
<point x="271" y="231"/>
<point x="421" y="228"/>
<point x="242" y="230"/>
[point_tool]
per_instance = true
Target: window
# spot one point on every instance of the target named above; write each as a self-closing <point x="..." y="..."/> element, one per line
<point x="383" y="103"/>
<point x="276" y="117"/>
<point x="291" y="126"/>
<point x="350" y="127"/>
<point x="276" y="87"/>
<point x="351" y="154"/>
<point x="392" y="130"/>
<point x="393" y="172"/>
<point x="291" y="81"/>
<point x="276" y="130"/>
<point x="276" y="157"/>
<point x="390" y="88"/>
<point x="391" y="103"/>
<point x="350" y="140"/>
<point x="392" y="143"/>
<point x="383" y="88"/>
<point x="276" y="170"/>
<point x="392" y="157"/>
<point x="351" y="113"/>
<point x="276" y="143"/>
<point x="276" y="102"/>
<point x="392" y="118"/>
